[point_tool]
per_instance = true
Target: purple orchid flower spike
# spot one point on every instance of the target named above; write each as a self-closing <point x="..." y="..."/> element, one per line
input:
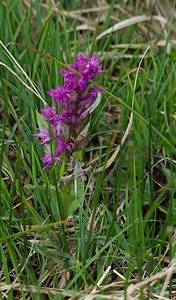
<point x="75" y="97"/>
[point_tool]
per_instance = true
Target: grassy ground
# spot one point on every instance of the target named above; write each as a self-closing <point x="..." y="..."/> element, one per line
<point x="120" y="241"/>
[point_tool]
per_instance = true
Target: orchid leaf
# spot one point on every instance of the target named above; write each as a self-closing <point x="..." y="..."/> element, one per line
<point x="69" y="202"/>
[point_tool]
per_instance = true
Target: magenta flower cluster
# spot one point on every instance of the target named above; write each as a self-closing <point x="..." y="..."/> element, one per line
<point x="75" y="97"/>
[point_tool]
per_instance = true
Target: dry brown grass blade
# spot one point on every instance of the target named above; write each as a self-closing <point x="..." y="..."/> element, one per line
<point x="93" y="9"/>
<point x="94" y="291"/>
<point x="132" y="293"/>
<point x="85" y="27"/>
<point x="131" y="21"/>
<point x="161" y="43"/>
<point x="171" y="270"/>
<point x="168" y="272"/>
<point x="129" y="127"/>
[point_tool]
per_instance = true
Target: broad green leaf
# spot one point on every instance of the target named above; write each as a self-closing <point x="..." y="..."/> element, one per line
<point x="69" y="201"/>
<point x="41" y="121"/>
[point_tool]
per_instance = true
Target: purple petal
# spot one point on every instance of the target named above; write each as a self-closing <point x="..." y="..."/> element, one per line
<point x="50" y="114"/>
<point x="62" y="147"/>
<point x="60" y="95"/>
<point x="44" y="135"/>
<point x="48" y="160"/>
<point x="57" y="159"/>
